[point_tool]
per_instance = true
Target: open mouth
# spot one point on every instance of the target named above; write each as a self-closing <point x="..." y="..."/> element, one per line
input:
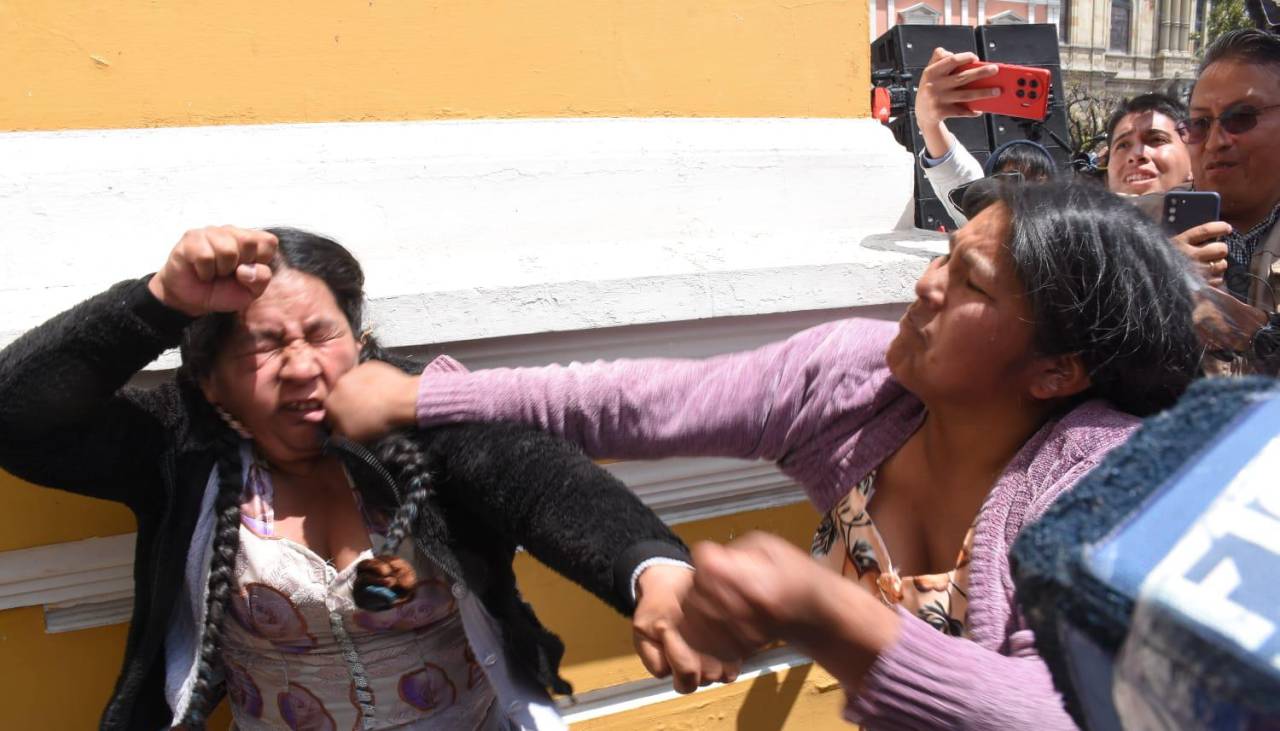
<point x="1141" y="176"/>
<point x="310" y="410"/>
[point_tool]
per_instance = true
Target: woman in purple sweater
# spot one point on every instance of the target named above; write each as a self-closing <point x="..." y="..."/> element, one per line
<point x="1058" y="318"/>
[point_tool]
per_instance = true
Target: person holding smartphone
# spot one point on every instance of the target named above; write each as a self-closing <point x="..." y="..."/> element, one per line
<point x="943" y="94"/>
<point x="1230" y="135"/>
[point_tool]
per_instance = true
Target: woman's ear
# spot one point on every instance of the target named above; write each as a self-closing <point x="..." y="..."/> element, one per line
<point x="1059" y="376"/>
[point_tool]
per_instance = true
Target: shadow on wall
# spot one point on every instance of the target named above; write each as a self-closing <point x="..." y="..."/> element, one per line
<point x="769" y="702"/>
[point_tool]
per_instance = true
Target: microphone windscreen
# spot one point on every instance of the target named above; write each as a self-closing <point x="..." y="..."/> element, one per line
<point x="1153" y="587"/>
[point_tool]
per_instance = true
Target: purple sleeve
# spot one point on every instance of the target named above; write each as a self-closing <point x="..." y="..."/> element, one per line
<point x="931" y="680"/>
<point x="753" y="405"/>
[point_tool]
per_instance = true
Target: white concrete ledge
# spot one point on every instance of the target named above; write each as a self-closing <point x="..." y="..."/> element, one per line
<point x="66" y="572"/>
<point x="477" y="229"/>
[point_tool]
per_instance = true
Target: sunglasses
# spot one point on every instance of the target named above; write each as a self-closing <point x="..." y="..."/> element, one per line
<point x="970" y="198"/>
<point x="1195" y="130"/>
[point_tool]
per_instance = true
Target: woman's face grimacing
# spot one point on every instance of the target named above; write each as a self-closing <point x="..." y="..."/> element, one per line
<point x="1146" y="155"/>
<point x="280" y="362"/>
<point x="968" y="337"/>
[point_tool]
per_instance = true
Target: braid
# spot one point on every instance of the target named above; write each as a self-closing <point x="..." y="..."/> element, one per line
<point x="226" y="542"/>
<point x="386" y="579"/>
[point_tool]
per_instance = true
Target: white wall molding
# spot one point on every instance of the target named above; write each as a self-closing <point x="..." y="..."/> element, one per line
<point x="102" y="612"/>
<point x="483" y="228"/>
<point x="685" y="490"/>
<point x="66" y="573"/>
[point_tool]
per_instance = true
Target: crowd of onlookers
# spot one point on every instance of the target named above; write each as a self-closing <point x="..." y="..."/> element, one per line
<point x="1224" y="140"/>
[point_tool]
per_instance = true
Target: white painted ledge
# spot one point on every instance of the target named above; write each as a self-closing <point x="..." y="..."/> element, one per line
<point x="479" y="229"/>
<point x="66" y="572"/>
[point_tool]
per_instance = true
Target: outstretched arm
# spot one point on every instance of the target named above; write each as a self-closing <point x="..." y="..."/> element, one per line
<point x="759" y="404"/>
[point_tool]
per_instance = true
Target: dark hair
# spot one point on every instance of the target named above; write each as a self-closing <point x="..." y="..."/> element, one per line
<point x="1248" y="45"/>
<point x="1024" y="156"/>
<point x="332" y="264"/>
<point x="1153" y="102"/>
<point x="1104" y="282"/>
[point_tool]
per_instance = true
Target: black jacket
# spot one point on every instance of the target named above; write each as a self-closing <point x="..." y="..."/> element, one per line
<point x="67" y="420"/>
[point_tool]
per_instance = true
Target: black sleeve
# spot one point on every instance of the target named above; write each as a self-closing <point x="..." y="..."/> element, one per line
<point x="546" y="495"/>
<point x="66" y="419"/>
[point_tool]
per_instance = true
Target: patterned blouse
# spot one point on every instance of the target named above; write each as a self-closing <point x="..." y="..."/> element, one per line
<point x="300" y="654"/>
<point x="848" y="542"/>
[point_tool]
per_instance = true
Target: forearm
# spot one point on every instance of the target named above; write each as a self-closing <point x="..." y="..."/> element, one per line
<point x="61" y="373"/>
<point x="849" y="629"/>
<point x="926" y="679"/>
<point x="740" y="405"/>
<point x="938" y="140"/>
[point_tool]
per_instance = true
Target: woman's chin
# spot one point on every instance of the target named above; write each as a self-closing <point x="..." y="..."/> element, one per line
<point x="297" y="444"/>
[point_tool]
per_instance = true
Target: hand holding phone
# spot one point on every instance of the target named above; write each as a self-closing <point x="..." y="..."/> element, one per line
<point x="1190" y="217"/>
<point x="1024" y="90"/>
<point x="1186" y="209"/>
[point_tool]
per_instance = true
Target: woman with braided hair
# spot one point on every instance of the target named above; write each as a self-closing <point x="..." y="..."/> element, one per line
<point x="318" y="585"/>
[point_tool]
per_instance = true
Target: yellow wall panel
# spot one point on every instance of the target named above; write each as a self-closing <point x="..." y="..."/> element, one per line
<point x="58" y="681"/>
<point x="134" y="63"/>
<point x="803" y="698"/>
<point x="36" y="516"/>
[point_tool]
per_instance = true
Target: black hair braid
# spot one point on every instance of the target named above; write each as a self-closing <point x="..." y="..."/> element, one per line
<point x="386" y="579"/>
<point x="226" y="543"/>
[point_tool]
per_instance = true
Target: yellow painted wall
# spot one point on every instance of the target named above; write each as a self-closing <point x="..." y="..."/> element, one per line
<point x="142" y="63"/>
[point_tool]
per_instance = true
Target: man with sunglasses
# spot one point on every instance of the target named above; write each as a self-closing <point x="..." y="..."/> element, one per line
<point x="1233" y="136"/>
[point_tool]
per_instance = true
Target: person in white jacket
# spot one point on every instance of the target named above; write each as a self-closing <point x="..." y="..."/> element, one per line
<point x="947" y="164"/>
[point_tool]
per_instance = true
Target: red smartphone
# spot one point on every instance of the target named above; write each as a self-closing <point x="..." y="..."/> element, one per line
<point x="1024" y="90"/>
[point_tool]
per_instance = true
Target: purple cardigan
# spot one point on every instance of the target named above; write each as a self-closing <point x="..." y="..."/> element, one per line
<point x="823" y="405"/>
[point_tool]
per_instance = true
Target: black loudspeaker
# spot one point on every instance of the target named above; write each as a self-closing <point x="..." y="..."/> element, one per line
<point x="899" y="57"/>
<point x="1029" y="45"/>
<point x="930" y="213"/>
<point x="909" y="47"/>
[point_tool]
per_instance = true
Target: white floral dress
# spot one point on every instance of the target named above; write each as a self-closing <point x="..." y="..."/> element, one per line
<point x="300" y="654"/>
